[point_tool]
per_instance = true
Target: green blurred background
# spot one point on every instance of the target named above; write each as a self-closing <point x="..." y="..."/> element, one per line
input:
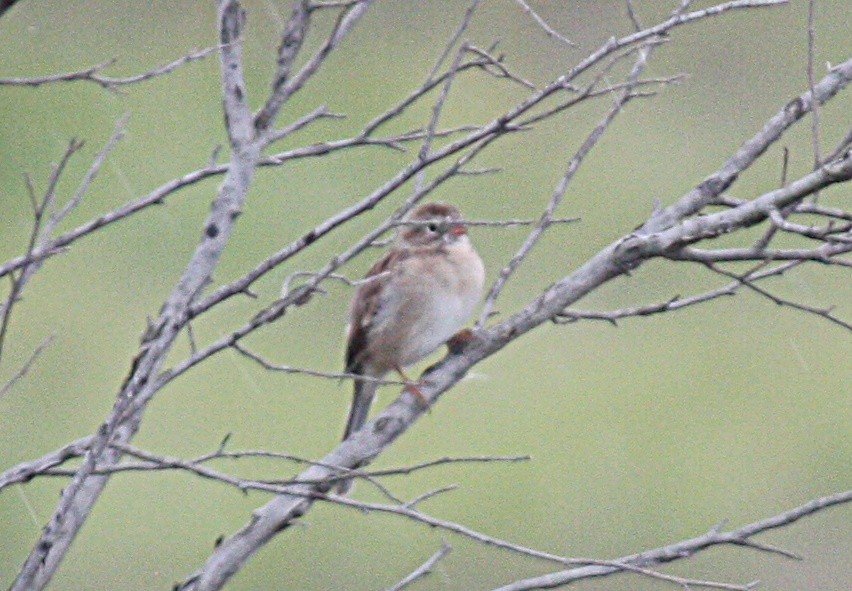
<point x="641" y="435"/>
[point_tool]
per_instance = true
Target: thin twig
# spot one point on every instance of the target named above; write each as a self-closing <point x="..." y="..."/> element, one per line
<point x="815" y="113"/>
<point x="25" y="368"/>
<point x="82" y="492"/>
<point x="453" y="40"/>
<point x="550" y="31"/>
<point x="568" y="316"/>
<point x="39" y="236"/>
<point x="150" y="462"/>
<point x="684" y="549"/>
<point x="93" y="74"/>
<point x="320" y="112"/>
<point x="438" y="106"/>
<point x="497" y="68"/>
<point x="310" y="372"/>
<point x="633" y="15"/>
<point x="159" y="195"/>
<point x="287" y="86"/>
<point x="424" y="569"/>
<point x="94" y="169"/>
<point x="299" y="295"/>
<point x="559" y="192"/>
<point x="821" y="312"/>
<point x="292" y="38"/>
<point x="513" y="223"/>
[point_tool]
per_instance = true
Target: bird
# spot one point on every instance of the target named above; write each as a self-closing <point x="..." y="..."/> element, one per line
<point x="415" y="298"/>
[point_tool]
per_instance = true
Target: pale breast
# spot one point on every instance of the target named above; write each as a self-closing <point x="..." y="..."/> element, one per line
<point x="446" y="294"/>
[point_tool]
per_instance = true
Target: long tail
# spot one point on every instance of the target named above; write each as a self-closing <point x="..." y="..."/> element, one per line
<point x="362" y="400"/>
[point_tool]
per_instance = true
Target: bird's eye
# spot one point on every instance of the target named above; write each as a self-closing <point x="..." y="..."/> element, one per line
<point x="433" y="227"/>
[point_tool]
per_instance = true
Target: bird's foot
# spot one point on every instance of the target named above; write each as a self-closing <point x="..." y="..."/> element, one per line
<point x="413" y="387"/>
<point x="459" y="341"/>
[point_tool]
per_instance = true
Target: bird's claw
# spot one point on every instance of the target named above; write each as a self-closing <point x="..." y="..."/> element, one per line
<point x="459" y="341"/>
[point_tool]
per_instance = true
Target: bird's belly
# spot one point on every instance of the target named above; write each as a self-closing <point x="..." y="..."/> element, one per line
<point x="442" y="318"/>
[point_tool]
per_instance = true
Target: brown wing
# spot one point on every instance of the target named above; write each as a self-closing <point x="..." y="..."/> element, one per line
<point x="364" y="308"/>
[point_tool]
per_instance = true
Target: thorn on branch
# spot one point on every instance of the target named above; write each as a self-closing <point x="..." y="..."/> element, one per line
<point x="224" y="442"/>
<point x="214" y="156"/>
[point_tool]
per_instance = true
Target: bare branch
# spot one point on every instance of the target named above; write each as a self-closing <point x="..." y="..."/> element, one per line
<point x="753" y="212"/>
<point x="815" y="115"/>
<point x="495" y="67"/>
<point x="26" y="471"/>
<point x="558" y="194"/>
<point x="39" y="235"/>
<point x="683" y="549"/>
<point x="448" y="79"/>
<point x="286" y="87"/>
<point x="448" y="47"/>
<point x="822" y="312"/>
<point x="25" y="368"/>
<point x="612" y="261"/>
<point x="669" y="233"/>
<point x="568" y="316"/>
<point x="93" y="171"/>
<point x="634" y="17"/>
<point x="309" y="372"/>
<point x="424" y="569"/>
<point x="543" y="24"/>
<point x="830" y="233"/>
<point x="718" y="182"/>
<point x="320" y="112"/>
<point x="824" y="254"/>
<point x="150" y="462"/>
<point x="291" y="43"/>
<point x="158" y="196"/>
<point x="238" y="119"/>
<point x="517" y="223"/>
<point x="80" y="495"/>
<point x="408" y="512"/>
<point x="821" y="210"/>
<point x="844" y="145"/>
<point x="93" y="74"/>
<point x="321" y="4"/>
<point x="440" y="462"/>
<point x="438" y="107"/>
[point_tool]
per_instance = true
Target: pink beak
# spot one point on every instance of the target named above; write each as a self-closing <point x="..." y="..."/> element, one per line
<point x="458" y="230"/>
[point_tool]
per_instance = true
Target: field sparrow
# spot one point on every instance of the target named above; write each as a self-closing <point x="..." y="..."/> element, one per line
<point x="428" y="285"/>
